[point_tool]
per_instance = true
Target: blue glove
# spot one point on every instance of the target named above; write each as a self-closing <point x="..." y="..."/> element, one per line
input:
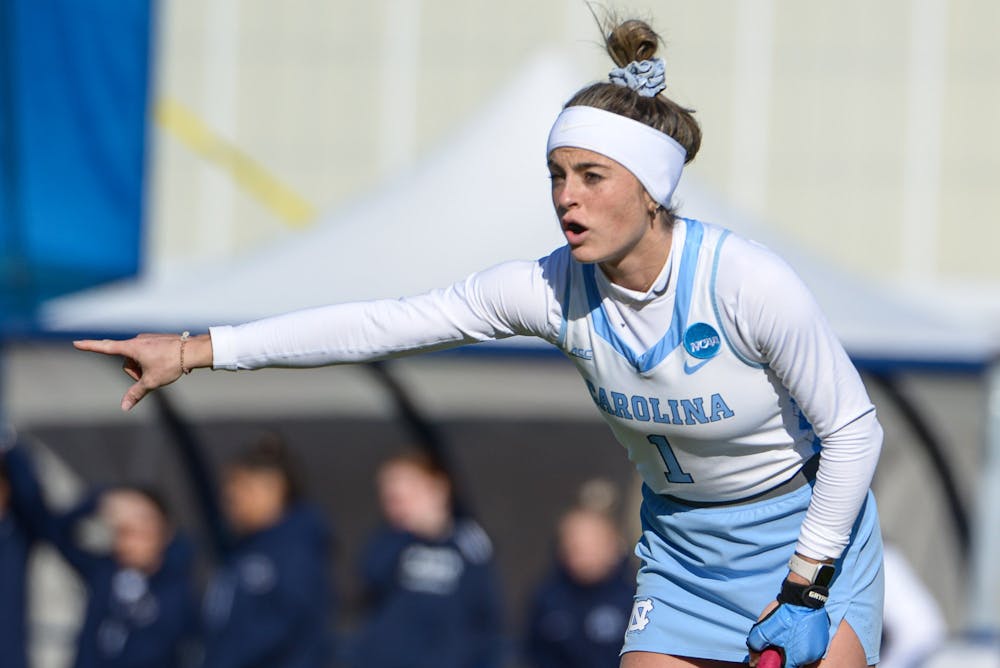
<point x="803" y="633"/>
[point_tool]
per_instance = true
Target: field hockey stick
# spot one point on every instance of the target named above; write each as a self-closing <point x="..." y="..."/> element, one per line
<point x="771" y="657"/>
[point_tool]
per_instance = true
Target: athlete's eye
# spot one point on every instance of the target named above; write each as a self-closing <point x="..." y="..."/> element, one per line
<point x="592" y="177"/>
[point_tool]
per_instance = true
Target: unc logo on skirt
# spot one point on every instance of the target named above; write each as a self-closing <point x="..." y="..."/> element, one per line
<point x="640" y="616"/>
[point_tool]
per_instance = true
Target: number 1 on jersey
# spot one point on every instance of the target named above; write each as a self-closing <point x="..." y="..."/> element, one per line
<point x="674" y="471"/>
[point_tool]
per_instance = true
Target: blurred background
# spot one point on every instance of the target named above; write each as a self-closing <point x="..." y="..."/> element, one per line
<point x="172" y="165"/>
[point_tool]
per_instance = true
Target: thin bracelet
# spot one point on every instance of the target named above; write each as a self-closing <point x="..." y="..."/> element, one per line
<point x="185" y="337"/>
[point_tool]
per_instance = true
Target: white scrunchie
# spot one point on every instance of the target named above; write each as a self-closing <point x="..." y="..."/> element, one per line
<point x="645" y="77"/>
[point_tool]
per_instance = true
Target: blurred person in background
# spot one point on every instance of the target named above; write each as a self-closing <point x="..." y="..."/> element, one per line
<point x="269" y="602"/>
<point x="15" y="544"/>
<point x="579" y="612"/>
<point x="140" y="590"/>
<point x="429" y="578"/>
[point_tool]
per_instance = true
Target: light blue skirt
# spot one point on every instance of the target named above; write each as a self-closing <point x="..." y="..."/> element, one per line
<point x="708" y="573"/>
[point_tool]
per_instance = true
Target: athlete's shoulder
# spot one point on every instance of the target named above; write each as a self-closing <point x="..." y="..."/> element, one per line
<point x="706" y="231"/>
<point x="714" y="235"/>
<point x="748" y="280"/>
<point x="547" y="269"/>
<point x="747" y="261"/>
<point x="556" y="263"/>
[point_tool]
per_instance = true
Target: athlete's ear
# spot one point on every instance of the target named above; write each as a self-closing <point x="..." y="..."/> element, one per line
<point x="652" y="206"/>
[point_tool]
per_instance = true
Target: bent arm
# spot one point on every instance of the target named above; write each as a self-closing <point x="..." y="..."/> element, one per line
<point x="26" y="499"/>
<point x="814" y="367"/>
<point x="780" y="320"/>
<point x="42" y="523"/>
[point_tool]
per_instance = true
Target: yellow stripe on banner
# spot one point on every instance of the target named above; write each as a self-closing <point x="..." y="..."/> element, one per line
<point x="284" y="202"/>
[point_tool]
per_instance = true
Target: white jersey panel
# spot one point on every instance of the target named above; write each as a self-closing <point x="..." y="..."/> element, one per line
<point x="699" y="422"/>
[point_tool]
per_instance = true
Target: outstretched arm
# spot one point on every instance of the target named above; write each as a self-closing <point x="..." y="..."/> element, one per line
<point x="511" y="298"/>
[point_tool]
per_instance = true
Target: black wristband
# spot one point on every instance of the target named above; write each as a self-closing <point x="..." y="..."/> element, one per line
<point x="810" y="596"/>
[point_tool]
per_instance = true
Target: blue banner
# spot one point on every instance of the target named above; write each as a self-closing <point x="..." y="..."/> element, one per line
<point x="74" y="89"/>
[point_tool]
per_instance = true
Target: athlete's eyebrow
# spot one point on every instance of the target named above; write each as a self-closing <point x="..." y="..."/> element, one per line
<point x="584" y="166"/>
<point x="580" y="166"/>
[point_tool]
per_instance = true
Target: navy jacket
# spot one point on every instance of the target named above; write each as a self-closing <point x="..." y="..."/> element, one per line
<point x="579" y="626"/>
<point x="268" y="605"/>
<point x="433" y="603"/>
<point x="131" y="620"/>
<point x="15" y="543"/>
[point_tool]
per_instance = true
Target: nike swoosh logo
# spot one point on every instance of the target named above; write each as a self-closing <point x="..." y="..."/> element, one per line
<point x="566" y="127"/>
<point x="688" y="369"/>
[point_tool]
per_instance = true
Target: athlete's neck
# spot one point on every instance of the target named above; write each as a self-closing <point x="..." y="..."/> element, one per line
<point x="640" y="267"/>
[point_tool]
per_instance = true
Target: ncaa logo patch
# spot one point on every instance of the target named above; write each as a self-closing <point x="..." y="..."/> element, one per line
<point x="702" y="341"/>
<point x="640" y="615"/>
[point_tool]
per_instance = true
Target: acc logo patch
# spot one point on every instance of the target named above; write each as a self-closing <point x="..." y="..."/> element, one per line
<point x="640" y="615"/>
<point x="702" y="341"/>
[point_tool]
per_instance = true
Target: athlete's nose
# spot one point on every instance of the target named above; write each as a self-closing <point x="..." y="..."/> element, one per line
<point x="565" y="195"/>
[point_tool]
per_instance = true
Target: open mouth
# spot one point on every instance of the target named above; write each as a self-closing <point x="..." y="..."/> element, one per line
<point x="575" y="228"/>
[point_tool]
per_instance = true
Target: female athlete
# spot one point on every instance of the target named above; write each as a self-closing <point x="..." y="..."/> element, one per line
<point x="752" y="431"/>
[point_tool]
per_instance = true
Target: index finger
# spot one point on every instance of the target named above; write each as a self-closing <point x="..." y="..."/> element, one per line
<point x="106" y="346"/>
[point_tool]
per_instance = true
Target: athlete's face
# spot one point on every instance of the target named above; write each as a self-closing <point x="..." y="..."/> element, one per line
<point x="606" y="215"/>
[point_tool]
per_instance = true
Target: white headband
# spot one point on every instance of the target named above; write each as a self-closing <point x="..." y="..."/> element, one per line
<point x="653" y="157"/>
